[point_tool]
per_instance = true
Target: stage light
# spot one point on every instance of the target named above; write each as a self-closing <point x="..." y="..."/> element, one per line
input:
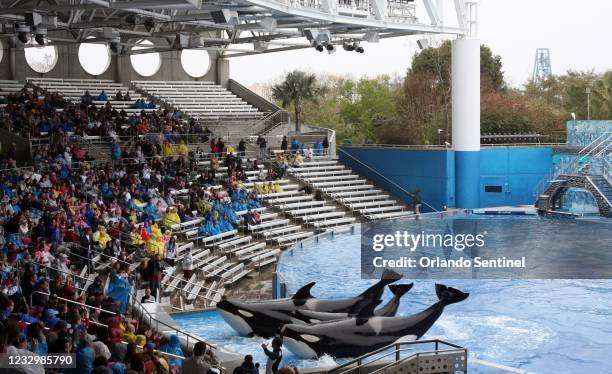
<point x="23" y="37"/>
<point x="40" y="39"/>
<point x="39" y="35"/>
<point x="149" y="24"/>
<point x="131" y="19"/>
<point x="115" y="46"/>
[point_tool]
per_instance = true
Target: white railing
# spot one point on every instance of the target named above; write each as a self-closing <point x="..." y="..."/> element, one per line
<point x="401" y="11"/>
<point x="589" y="156"/>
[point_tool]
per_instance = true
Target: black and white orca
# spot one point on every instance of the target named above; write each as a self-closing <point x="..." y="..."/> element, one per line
<point x="265" y="318"/>
<point x="356" y="336"/>
<point x="389" y="310"/>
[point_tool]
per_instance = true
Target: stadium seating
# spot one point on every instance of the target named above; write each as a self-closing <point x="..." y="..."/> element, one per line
<point x="204" y="101"/>
<point x="73" y="90"/>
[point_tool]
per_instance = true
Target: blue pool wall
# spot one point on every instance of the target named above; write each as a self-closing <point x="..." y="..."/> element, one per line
<point x="514" y="171"/>
<point x="582" y="133"/>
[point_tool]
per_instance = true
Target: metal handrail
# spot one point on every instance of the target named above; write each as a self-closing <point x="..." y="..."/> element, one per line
<point x="72" y="302"/>
<point x="158" y="322"/>
<point x="387" y="179"/>
<point x="61" y="271"/>
<point x="397" y="351"/>
<point x="417" y="356"/>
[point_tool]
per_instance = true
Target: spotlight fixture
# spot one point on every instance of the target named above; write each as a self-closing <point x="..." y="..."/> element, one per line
<point x="40" y="39"/>
<point x="23" y="32"/>
<point x="23" y="37"/>
<point x="115" y="46"/>
<point x="39" y="35"/>
<point x="131" y="19"/>
<point x="149" y="24"/>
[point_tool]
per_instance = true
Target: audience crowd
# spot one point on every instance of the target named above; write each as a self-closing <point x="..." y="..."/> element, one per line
<point x="69" y="216"/>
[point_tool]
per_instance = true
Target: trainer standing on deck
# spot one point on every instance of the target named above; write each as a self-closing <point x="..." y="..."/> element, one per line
<point x="418" y="202"/>
<point x="274" y="357"/>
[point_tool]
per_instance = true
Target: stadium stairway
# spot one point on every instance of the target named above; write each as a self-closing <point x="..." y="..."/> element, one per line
<point x="355" y="193"/>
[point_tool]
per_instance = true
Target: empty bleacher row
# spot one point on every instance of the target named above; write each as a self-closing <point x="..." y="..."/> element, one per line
<point x="351" y="190"/>
<point x="204" y="101"/>
<point x="73" y="90"/>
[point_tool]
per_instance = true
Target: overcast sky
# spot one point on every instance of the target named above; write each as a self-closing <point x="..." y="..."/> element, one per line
<point x="577" y="33"/>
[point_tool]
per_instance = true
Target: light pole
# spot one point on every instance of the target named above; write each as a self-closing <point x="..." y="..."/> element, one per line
<point x="588" y="93"/>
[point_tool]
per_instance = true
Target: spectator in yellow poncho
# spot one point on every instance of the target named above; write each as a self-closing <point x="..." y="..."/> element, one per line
<point x="276" y="187"/>
<point x="155" y="244"/>
<point x="135" y="237"/>
<point x="171" y="218"/>
<point x="183" y="150"/>
<point x="101" y="236"/>
<point x="258" y="188"/>
<point x="168" y="149"/>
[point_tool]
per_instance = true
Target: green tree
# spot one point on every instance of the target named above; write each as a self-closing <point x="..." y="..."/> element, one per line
<point x="367" y="105"/>
<point x="297" y="88"/>
<point x="602" y="97"/>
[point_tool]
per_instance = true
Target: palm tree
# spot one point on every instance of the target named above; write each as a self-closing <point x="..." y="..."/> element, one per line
<point x="297" y="87"/>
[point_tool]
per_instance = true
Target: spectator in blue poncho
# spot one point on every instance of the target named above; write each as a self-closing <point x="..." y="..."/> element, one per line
<point x="102" y="96"/>
<point x="225" y="225"/>
<point x="116" y="152"/>
<point x="295" y="145"/>
<point x="173" y="347"/>
<point x="240" y="205"/>
<point x="318" y="148"/>
<point x="84" y="356"/>
<point x="151" y="211"/>
<point x="119" y="290"/>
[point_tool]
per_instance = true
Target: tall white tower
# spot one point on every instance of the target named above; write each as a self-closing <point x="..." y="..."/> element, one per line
<point x="466" y="108"/>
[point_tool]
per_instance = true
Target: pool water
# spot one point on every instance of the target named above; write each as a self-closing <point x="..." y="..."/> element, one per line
<point x="542" y="326"/>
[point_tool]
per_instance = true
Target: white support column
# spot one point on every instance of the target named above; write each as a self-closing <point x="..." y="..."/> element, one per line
<point x="466" y="120"/>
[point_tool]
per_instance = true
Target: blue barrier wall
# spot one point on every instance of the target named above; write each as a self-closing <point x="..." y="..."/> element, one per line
<point x="430" y="171"/>
<point x="507" y="176"/>
<point x="581" y="133"/>
<point x="516" y="170"/>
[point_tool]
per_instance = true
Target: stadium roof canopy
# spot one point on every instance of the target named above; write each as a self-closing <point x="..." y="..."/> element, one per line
<point x="232" y="27"/>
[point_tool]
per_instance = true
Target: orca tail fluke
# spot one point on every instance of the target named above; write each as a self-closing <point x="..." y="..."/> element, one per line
<point x="400" y="290"/>
<point x="449" y="295"/>
<point x="389" y="276"/>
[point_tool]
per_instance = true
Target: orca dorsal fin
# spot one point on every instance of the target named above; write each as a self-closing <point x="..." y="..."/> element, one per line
<point x="304" y="292"/>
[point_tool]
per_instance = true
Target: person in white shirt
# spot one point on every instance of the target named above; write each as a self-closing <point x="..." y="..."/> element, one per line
<point x="187" y="265"/>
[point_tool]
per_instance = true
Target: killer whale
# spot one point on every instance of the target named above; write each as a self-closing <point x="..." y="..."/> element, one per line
<point x="266" y="317"/>
<point x="389" y="310"/>
<point x="359" y="335"/>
